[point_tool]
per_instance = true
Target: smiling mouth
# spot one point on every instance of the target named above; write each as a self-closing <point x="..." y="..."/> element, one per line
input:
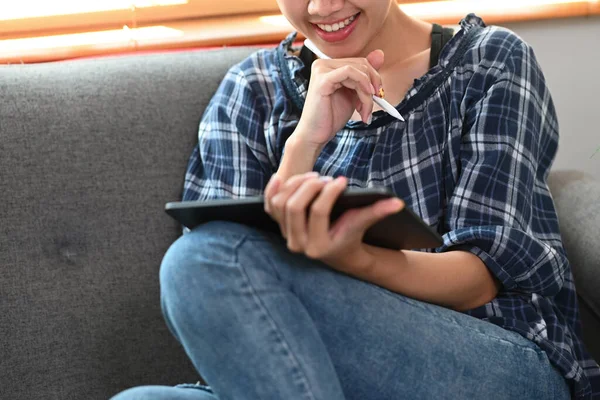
<point x="338" y="25"/>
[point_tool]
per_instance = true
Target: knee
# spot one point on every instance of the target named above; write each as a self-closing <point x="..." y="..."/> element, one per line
<point x="198" y="261"/>
<point x="198" y="270"/>
<point x="141" y="393"/>
<point x="209" y="244"/>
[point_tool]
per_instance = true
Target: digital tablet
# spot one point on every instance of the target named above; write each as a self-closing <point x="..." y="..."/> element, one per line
<point x="403" y="230"/>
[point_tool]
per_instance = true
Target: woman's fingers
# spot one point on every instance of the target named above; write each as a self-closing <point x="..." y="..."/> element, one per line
<point x="364" y="108"/>
<point x="356" y="80"/>
<point x="375" y="61"/>
<point x="330" y="100"/>
<point x="277" y="201"/>
<point x="365" y="65"/>
<point x="319" y="217"/>
<point x="347" y="73"/>
<point x="296" y="212"/>
<point x="363" y="102"/>
<point x="270" y="191"/>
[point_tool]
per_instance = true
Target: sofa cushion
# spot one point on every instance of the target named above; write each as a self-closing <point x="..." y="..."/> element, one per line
<point x="90" y="152"/>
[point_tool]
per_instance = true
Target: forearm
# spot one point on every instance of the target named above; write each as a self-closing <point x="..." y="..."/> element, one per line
<point x="454" y="279"/>
<point x="298" y="158"/>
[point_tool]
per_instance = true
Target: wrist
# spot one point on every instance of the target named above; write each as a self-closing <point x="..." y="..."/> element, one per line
<point x="299" y="157"/>
<point x="302" y="147"/>
<point x="359" y="263"/>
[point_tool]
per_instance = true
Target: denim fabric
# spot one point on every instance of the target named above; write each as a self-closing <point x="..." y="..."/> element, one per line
<point x="179" y="392"/>
<point x="259" y="322"/>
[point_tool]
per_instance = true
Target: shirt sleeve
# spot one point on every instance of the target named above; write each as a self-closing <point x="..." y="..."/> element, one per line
<point x="231" y="158"/>
<point x="500" y="208"/>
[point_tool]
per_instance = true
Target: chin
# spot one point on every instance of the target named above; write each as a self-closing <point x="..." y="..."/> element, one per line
<point x="346" y="50"/>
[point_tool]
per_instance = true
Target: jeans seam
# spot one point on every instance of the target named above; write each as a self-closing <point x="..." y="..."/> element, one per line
<point x="271" y="266"/>
<point x="275" y="329"/>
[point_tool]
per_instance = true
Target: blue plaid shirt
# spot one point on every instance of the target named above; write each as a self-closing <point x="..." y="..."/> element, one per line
<point x="471" y="160"/>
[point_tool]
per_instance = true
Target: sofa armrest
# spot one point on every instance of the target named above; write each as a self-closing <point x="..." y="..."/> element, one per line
<point x="577" y="199"/>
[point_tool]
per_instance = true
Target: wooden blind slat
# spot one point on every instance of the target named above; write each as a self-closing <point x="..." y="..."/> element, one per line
<point x="193" y="9"/>
<point x="253" y="29"/>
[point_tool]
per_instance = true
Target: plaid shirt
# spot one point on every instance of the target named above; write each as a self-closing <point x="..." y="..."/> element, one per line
<point x="471" y="160"/>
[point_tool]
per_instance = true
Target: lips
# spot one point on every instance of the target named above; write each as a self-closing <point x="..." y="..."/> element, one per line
<point x="344" y="29"/>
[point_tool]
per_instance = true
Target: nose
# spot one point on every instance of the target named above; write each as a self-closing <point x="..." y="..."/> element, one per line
<point x="324" y="8"/>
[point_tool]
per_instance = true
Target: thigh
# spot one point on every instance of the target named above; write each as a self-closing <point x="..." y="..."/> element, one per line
<point x="387" y="346"/>
<point x="180" y="392"/>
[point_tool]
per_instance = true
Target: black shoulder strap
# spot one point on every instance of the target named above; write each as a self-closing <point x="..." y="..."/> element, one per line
<point x="307" y="58"/>
<point x="439" y="37"/>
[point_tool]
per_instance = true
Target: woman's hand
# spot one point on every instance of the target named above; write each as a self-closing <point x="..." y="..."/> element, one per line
<point x="302" y="206"/>
<point x="337" y="88"/>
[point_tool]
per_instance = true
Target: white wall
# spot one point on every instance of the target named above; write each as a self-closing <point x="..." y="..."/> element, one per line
<point x="569" y="53"/>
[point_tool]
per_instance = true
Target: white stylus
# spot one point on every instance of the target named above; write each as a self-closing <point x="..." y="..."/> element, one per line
<point x="382" y="103"/>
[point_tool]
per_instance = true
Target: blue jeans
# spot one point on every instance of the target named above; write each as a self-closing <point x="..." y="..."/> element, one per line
<point x="259" y="322"/>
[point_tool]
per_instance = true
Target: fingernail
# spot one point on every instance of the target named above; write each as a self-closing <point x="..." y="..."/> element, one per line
<point x="311" y="174"/>
<point x="373" y="91"/>
<point x="326" y="178"/>
<point x="370" y="119"/>
<point x="395" y="204"/>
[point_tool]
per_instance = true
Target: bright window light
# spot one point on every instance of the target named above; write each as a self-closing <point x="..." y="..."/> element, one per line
<point x="43" y="8"/>
<point x="432" y="9"/>
<point x="275" y="20"/>
<point x="124" y="35"/>
<point x="436" y="8"/>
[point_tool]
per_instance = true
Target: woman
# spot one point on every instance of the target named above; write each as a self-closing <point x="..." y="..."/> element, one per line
<point x="321" y="315"/>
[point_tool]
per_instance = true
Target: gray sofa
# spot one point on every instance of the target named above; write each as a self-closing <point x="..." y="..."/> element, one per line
<point x="90" y="151"/>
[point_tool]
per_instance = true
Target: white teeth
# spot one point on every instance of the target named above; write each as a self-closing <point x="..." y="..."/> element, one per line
<point x="337" y="26"/>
